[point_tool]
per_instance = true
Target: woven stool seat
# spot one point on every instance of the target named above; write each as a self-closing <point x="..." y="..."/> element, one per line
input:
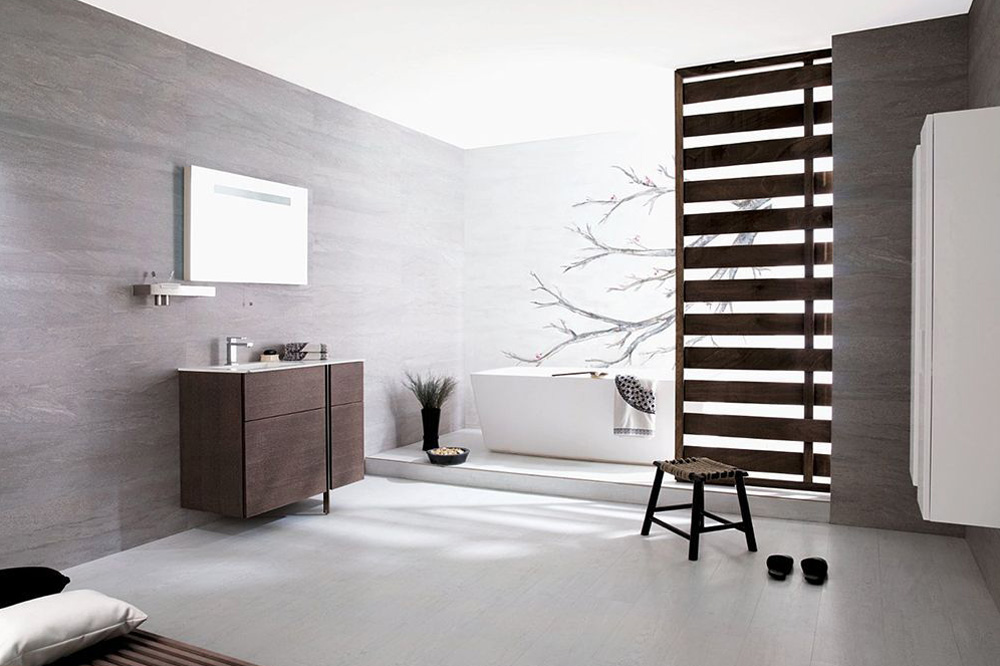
<point x="699" y="469"/>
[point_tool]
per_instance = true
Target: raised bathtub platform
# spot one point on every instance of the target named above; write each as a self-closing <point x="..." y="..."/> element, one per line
<point x="600" y="481"/>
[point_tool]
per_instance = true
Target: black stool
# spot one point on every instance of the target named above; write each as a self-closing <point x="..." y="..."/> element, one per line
<point x="699" y="470"/>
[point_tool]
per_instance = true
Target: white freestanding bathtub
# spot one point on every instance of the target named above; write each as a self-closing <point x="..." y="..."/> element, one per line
<point x="528" y="411"/>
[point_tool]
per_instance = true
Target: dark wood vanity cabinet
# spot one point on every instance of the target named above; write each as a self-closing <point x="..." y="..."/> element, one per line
<point x="255" y="441"/>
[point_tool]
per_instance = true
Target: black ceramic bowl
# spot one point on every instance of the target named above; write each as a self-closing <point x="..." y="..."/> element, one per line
<point x="452" y="459"/>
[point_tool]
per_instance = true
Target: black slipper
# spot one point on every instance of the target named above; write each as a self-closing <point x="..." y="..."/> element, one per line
<point x="815" y="570"/>
<point x="779" y="566"/>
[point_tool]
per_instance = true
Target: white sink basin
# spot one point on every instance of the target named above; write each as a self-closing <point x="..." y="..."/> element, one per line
<point x="256" y="367"/>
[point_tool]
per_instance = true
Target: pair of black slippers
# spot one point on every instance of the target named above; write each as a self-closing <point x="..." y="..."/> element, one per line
<point x="814" y="569"/>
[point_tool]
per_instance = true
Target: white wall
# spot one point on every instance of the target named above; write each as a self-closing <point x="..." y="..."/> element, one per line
<point x="489" y="73"/>
<point x="518" y="204"/>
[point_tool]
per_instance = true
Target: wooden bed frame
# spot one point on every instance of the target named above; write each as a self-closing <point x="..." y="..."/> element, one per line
<point x="141" y="648"/>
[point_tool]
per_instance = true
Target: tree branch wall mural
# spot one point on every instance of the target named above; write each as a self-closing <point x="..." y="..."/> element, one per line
<point x="632" y="341"/>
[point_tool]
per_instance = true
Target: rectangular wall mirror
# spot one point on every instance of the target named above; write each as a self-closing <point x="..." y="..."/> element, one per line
<point x="242" y="229"/>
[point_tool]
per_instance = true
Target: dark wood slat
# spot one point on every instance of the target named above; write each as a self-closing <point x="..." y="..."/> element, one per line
<point x="171" y="654"/>
<point x="755" y="120"/>
<point x="809" y="391"/>
<point x="761" y="393"/>
<point x="138" y="655"/>
<point x="118" y="660"/>
<point x="728" y="358"/>
<point x="775" y="462"/>
<point x="739" y="65"/>
<point x="824" y="394"/>
<point x="771" y="289"/>
<point x="755" y="187"/>
<point x="771" y="219"/>
<point x="171" y="643"/>
<point x="146" y="649"/>
<point x="784" y="483"/>
<point x="679" y="259"/>
<point x="795" y="78"/>
<point x="737" y="256"/>
<point x="125" y="657"/>
<point x="757" y="152"/>
<point x="808" y="412"/>
<point x="757" y="427"/>
<point x="755" y="324"/>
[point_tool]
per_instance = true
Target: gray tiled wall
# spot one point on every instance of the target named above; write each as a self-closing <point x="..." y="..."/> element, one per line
<point x="97" y="116"/>
<point x="984" y="90"/>
<point x="984" y="54"/>
<point x="885" y="81"/>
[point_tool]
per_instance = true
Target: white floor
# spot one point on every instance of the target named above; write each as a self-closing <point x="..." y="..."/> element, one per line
<point x="582" y="479"/>
<point x="404" y="572"/>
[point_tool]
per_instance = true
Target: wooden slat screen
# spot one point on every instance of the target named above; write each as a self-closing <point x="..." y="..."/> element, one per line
<point x="729" y="289"/>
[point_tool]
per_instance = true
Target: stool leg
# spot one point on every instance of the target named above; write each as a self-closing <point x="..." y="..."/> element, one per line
<point x="654" y="495"/>
<point x="697" y="519"/>
<point x="741" y="493"/>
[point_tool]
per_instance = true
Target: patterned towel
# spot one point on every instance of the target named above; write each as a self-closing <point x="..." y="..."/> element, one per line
<point x="304" y="351"/>
<point x="635" y="406"/>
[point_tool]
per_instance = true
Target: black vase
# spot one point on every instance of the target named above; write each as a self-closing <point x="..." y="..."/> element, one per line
<point x="432" y="419"/>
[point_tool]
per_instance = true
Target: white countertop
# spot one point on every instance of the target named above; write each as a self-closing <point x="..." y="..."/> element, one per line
<point x="244" y="368"/>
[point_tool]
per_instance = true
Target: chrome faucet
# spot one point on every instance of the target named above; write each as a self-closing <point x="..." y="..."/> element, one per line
<point x="233" y="343"/>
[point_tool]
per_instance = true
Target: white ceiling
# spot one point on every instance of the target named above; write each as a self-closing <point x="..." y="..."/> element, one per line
<point x="477" y="73"/>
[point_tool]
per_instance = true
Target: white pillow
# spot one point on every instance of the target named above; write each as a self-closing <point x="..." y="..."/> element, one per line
<point x="42" y="630"/>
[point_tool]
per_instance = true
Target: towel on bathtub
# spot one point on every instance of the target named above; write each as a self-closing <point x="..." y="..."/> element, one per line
<point x="635" y="406"/>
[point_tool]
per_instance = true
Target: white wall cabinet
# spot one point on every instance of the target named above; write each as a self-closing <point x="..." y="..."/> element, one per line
<point x="955" y="398"/>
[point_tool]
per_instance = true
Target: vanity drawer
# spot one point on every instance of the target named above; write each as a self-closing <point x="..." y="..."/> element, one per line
<point x="284" y="459"/>
<point x="347" y="444"/>
<point x="280" y="392"/>
<point x="347" y="383"/>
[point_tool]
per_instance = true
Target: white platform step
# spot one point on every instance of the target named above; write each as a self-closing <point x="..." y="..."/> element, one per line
<point x="607" y="482"/>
